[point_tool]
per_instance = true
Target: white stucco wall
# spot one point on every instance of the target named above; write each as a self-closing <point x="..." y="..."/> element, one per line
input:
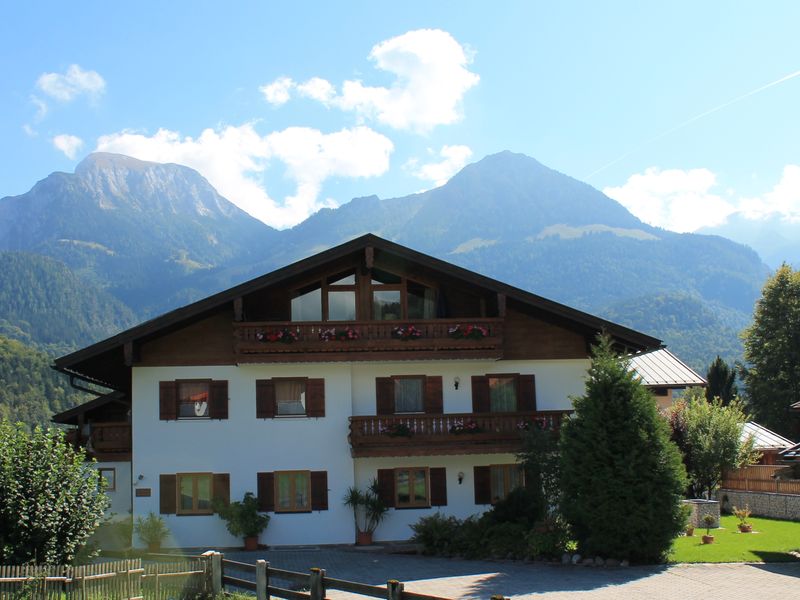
<point x="120" y="506"/>
<point x="243" y="445"/>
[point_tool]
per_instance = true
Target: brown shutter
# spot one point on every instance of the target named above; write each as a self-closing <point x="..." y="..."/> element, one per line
<point x="218" y="407"/>
<point x="265" y="483"/>
<point x="480" y="394"/>
<point x="527" y="393"/>
<point x="319" y="490"/>
<point x="433" y="395"/>
<point x="265" y="398"/>
<point x="221" y="487"/>
<point x="167" y="500"/>
<point x="384" y="396"/>
<point x="386" y="486"/>
<point x="438" y="478"/>
<point x="483" y="484"/>
<point x="167" y="400"/>
<point x="315" y="397"/>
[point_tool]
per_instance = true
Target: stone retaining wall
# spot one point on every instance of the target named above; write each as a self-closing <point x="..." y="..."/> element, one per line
<point x="762" y="504"/>
<point x="700" y="508"/>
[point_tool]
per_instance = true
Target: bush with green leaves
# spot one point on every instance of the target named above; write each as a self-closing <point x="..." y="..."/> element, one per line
<point x="622" y="478"/>
<point x="242" y="517"/>
<point x="51" y="499"/>
<point x="549" y="538"/>
<point x="709" y="435"/>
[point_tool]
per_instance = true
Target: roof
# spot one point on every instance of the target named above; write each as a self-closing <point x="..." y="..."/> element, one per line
<point x="661" y="368"/>
<point x="764" y="438"/>
<point x="70" y="416"/>
<point x="792" y="453"/>
<point x="795" y="406"/>
<point x="110" y="349"/>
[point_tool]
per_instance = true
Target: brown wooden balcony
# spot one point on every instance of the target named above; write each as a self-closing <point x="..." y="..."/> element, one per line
<point x="372" y="340"/>
<point x="456" y="433"/>
<point x="106" y="442"/>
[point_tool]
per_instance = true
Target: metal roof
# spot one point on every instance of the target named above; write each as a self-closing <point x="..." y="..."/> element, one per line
<point x="661" y="368"/>
<point x="764" y="438"/>
<point x="791" y="453"/>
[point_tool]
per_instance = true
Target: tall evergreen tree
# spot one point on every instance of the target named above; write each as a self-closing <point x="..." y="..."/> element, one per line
<point x="622" y="477"/>
<point x="772" y="351"/>
<point x="721" y="382"/>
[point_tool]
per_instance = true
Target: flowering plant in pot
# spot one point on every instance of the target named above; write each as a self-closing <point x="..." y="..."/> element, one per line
<point x="242" y="519"/>
<point x="369" y="511"/>
<point x="397" y="430"/>
<point x="345" y="334"/>
<point x="405" y="333"/>
<point x="469" y="426"/>
<point x="468" y="332"/>
<point x="285" y="336"/>
<point x="708" y="521"/>
<point x="743" y="514"/>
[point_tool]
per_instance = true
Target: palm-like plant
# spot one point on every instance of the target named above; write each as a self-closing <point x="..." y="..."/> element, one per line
<point x="368" y="508"/>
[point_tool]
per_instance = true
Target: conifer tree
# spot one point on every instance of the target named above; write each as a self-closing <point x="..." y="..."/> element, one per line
<point x="622" y="477"/>
<point x="721" y="382"/>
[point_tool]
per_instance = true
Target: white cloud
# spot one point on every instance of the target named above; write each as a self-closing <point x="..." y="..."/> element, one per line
<point x="453" y="159"/>
<point x="68" y="144"/>
<point x="279" y="91"/>
<point x="75" y="82"/>
<point x="431" y="77"/>
<point x="235" y="158"/>
<point x="675" y="199"/>
<point x="783" y="199"/>
<point x="41" y="108"/>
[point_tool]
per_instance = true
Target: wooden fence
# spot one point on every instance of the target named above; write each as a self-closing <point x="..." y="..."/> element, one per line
<point x="759" y="478"/>
<point x="122" y="579"/>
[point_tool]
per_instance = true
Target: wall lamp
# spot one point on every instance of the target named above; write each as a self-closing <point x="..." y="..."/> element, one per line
<point x="460" y="477"/>
<point x="456" y="381"/>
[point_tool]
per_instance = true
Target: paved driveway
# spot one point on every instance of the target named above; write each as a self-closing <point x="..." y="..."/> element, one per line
<point x="453" y="578"/>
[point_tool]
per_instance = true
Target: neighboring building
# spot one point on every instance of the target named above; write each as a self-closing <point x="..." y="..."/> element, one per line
<point x="767" y="442"/>
<point x="664" y="374"/>
<point x="366" y="361"/>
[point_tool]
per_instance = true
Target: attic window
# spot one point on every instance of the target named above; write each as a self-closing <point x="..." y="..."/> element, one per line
<point x="307" y="305"/>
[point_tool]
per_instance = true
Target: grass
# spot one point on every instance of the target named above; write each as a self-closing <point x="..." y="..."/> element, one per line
<point x="771" y="541"/>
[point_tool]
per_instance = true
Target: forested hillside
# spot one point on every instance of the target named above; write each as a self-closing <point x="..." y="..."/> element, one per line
<point x="30" y="391"/>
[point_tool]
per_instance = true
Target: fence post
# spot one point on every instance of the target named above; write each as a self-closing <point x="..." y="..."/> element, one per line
<point x="394" y="590"/>
<point x="316" y="584"/>
<point x="213" y="582"/>
<point x="262" y="580"/>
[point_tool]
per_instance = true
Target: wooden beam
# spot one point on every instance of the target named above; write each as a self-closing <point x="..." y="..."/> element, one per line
<point x="131" y="353"/>
<point x="369" y="257"/>
<point x="238" y="309"/>
<point x="501" y="305"/>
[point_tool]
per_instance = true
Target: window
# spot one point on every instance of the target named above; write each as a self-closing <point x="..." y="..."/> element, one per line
<point x="409" y="394"/>
<point x="411" y="487"/>
<point x="194" y="493"/>
<point x="110" y="475"/>
<point x="307" y="305"/>
<point x="502" y="393"/>
<point x="421" y="304"/>
<point x="292" y="491"/>
<point x="504" y="479"/>
<point x="193" y="399"/>
<point x="290" y="397"/>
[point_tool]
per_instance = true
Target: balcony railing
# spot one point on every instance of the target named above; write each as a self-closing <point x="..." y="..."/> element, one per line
<point x="454" y="433"/>
<point x="319" y="338"/>
<point x="105" y="440"/>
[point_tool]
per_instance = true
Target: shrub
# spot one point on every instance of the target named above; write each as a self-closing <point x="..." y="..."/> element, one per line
<point x="506" y="540"/>
<point x="242" y="518"/>
<point x="549" y="538"/>
<point x="151" y="530"/>
<point x="437" y="534"/>
<point x="524" y="505"/>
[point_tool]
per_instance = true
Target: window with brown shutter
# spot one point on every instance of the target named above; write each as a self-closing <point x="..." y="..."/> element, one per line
<point x="265" y="484"/>
<point x="315" y="398"/>
<point x="218" y="406"/>
<point x="480" y="394"/>
<point x="434" y="403"/>
<point x="386" y="486"/>
<point x="527" y="393"/>
<point x="319" y="490"/>
<point x="167" y="400"/>
<point x="482" y="478"/>
<point x="265" y="399"/>
<point x="195" y="493"/>
<point x="292" y="491"/>
<point x="167" y="498"/>
<point x="438" y="477"/>
<point x="221" y="483"/>
<point x="412" y="487"/>
<point x="384" y="396"/>
<point x="402" y="394"/>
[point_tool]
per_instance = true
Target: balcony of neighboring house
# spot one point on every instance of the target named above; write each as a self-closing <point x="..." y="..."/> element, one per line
<point x="101" y="426"/>
<point x="311" y="341"/>
<point x="445" y="434"/>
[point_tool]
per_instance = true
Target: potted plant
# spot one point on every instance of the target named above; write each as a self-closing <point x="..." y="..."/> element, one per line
<point x="708" y="521"/>
<point x="686" y="511"/>
<point x="242" y="519"/>
<point x="368" y="511"/>
<point x="152" y="531"/>
<point x="743" y="514"/>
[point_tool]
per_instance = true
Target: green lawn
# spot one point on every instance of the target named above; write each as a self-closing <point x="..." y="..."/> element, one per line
<point x="771" y="541"/>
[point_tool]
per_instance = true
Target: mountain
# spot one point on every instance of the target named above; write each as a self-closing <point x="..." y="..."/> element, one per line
<point x="776" y="239"/>
<point x="132" y="227"/>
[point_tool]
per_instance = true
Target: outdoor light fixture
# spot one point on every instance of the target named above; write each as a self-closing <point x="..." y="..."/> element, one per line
<point x="460" y="477"/>
<point x="456" y="381"/>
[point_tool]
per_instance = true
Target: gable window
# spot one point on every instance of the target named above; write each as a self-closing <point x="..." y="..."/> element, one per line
<point x="193" y="399"/>
<point x="307" y="305"/>
<point x="502" y="393"/>
<point x="194" y="493"/>
<point x="395" y="298"/>
<point x="411" y="487"/>
<point x="504" y="478"/>
<point x="292" y="491"/>
<point x="409" y="394"/>
<point x="290" y="397"/>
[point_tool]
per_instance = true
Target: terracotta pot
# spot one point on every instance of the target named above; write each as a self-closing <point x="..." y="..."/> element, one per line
<point x="708" y="539"/>
<point x="689" y="531"/>
<point x="364" y="538"/>
<point x="251" y="542"/>
<point x="745" y="528"/>
<point x="153" y="548"/>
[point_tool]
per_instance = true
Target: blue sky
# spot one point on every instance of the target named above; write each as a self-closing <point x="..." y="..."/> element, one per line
<point x="686" y="112"/>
